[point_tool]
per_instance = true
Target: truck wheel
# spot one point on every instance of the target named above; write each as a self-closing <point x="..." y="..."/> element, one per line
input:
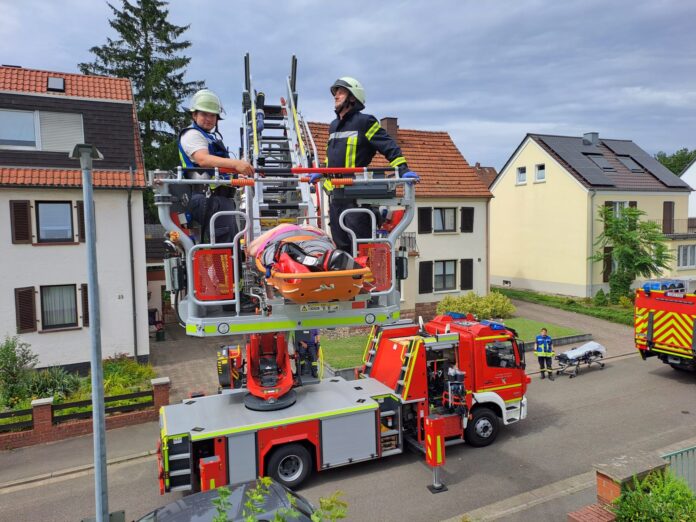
<point x="482" y="429"/>
<point x="290" y="464"/>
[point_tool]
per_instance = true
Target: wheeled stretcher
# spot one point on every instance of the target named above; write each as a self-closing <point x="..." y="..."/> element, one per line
<point x="589" y="353"/>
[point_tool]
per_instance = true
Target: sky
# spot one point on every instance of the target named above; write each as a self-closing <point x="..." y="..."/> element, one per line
<point x="487" y="72"/>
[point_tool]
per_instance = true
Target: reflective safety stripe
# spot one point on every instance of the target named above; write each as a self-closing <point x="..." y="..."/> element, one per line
<point x="499" y="337"/>
<point x="343" y="134"/>
<point x="510" y="401"/>
<point x="372" y="130"/>
<point x="339" y="321"/>
<point x="351" y="150"/>
<point x="285" y="422"/>
<point x="544" y="354"/>
<point x="398" y="161"/>
<point x="438" y="444"/>
<point x="412" y="365"/>
<point x="496" y="388"/>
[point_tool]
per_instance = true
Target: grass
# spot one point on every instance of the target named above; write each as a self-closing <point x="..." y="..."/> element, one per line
<point x="348" y="352"/>
<point x="614" y="313"/>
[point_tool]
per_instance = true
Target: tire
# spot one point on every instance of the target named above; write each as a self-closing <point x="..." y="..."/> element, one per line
<point x="290" y="464"/>
<point x="483" y="428"/>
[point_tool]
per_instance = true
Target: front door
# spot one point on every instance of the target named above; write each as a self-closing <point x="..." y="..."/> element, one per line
<point x="501" y="372"/>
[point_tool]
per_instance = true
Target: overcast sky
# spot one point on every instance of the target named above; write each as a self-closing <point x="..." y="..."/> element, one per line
<point x="487" y="72"/>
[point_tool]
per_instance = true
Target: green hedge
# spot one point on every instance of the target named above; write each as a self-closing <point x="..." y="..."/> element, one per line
<point x="660" y="497"/>
<point x="614" y="313"/>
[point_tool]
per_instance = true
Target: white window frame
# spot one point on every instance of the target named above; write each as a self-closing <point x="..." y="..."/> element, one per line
<point x="618" y="206"/>
<point x="37" y="132"/>
<point x="444" y="212"/>
<point x="686" y="253"/>
<point x="444" y="275"/>
<point x="521" y="176"/>
<point x="538" y="179"/>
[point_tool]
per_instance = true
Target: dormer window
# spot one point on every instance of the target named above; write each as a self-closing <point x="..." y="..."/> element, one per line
<point x="630" y="164"/>
<point x="55" y="84"/>
<point x="601" y="162"/>
<point x="40" y="130"/>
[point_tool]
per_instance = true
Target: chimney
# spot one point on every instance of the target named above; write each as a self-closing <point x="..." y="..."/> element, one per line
<point x="478" y="165"/>
<point x="590" y="138"/>
<point x="389" y="124"/>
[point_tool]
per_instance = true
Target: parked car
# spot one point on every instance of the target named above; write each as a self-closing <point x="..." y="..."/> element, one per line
<point x="199" y="507"/>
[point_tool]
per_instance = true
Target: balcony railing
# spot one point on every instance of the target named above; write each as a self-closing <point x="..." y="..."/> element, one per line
<point x="408" y="241"/>
<point x="676" y="226"/>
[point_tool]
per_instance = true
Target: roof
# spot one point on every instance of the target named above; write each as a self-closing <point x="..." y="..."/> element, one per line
<point x="77" y="87"/>
<point x="31" y="81"/>
<point x="692" y="162"/>
<point x="487" y="174"/>
<point x="433" y="155"/>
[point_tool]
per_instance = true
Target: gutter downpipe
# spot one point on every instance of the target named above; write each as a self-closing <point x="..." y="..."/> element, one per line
<point x="132" y="265"/>
<point x="592" y="220"/>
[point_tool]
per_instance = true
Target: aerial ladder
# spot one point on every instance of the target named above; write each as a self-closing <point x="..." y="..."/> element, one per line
<point x="214" y="284"/>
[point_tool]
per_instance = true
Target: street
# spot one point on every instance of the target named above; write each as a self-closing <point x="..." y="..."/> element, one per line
<point x="572" y="423"/>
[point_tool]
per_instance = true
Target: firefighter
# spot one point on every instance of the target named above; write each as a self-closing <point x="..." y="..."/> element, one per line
<point x="201" y="145"/>
<point x="544" y="351"/>
<point x="307" y="343"/>
<point x="354" y="138"/>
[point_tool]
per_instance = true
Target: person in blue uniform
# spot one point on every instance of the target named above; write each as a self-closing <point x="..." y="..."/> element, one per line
<point x="307" y="343"/>
<point x="543" y="349"/>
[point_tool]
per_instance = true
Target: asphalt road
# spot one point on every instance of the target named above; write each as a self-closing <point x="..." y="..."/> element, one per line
<point x="573" y="423"/>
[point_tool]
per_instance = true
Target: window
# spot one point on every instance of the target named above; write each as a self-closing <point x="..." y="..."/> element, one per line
<point x="54" y="221"/>
<point x="630" y="164"/>
<point x="40" y="130"/>
<point x="445" y="275"/>
<point x="540" y="172"/>
<point x="444" y="219"/>
<point x="601" y="162"/>
<point x="687" y="256"/>
<point x="521" y="175"/>
<point x="17" y="129"/>
<point x="467" y="219"/>
<point x="58" y="306"/>
<point x="500" y="354"/>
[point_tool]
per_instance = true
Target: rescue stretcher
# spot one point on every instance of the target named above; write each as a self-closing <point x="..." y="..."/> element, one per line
<point x="589" y="353"/>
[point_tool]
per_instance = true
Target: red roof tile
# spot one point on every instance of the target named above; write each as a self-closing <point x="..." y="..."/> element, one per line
<point x="487" y="174"/>
<point x="433" y="155"/>
<point x="78" y="85"/>
<point x="67" y="178"/>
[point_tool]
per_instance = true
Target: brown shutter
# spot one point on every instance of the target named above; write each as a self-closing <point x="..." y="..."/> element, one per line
<point x="633" y="204"/>
<point x="25" y="309"/>
<point x="20" y="220"/>
<point x="425" y="220"/>
<point x="81" y="221"/>
<point x="85" y="305"/>
<point x="425" y="277"/>
<point x="467" y="219"/>
<point x="466" y="281"/>
<point x="668" y="217"/>
<point x="606" y="271"/>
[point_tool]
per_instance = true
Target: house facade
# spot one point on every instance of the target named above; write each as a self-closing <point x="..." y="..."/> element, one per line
<point x="448" y="239"/>
<point x="544" y="215"/>
<point x="43" y="115"/>
<point x="689" y="176"/>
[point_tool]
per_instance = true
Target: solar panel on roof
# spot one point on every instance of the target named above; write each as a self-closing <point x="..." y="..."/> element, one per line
<point x="601" y="162"/>
<point x="630" y="164"/>
<point x="572" y="150"/>
<point x="654" y="167"/>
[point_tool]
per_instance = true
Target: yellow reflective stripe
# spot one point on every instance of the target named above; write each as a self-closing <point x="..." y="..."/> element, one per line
<point x="339" y="321"/>
<point x="355" y="151"/>
<point x="396" y="315"/>
<point x="297" y="130"/>
<point x="544" y="354"/>
<point x="411" y="366"/>
<point x="328" y="186"/>
<point x="372" y="130"/>
<point x="191" y="328"/>
<point x="284" y="422"/>
<point x="210" y="328"/>
<point x="513" y="400"/>
<point x="496" y="388"/>
<point x="398" y="161"/>
<point x="438" y="442"/>
<point x="351" y="148"/>
<point x="675" y="354"/>
<point x="502" y="337"/>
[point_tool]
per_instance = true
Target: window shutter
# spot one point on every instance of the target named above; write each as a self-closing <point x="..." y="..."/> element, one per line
<point x="81" y="221"/>
<point x="20" y="221"/>
<point x="25" y="309"/>
<point x="466" y="276"/>
<point x="85" y="305"/>
<point x="425" y="220"/>
<point x="467" y="219"/>
<point x="633" y="204"/>
<point x="425" y="277"/>
<point x="606" y="271"/>
<point x="668" y="217"/>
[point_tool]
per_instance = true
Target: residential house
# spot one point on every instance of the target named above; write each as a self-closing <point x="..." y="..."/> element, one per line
<point x="448" y="239"/>
<point x="43" y="115"/>
<point x="544" y="215"/>
<point x="688" y="175"/>
<point x="487" y="174"/>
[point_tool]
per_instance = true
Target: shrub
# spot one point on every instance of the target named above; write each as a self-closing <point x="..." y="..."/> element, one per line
<point x="600" y="298"/>
<point x="53" y="382"/>
<point x="625" y="302"/>
<point x="659" y="497"/>
<point x="121" y="374"/>
<point x="494" y="305"/>
<point x="16" y="362"/>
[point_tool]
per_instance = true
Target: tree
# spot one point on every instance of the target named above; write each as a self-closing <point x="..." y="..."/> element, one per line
<point x="148" y="52"/>
<point x="638" y="249"/>
<point x="678" y="161"/>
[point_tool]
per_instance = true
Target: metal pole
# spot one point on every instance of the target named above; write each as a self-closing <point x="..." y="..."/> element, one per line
<point x="86" y="153"/>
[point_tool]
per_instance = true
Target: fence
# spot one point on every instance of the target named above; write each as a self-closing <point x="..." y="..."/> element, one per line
<point x="17" y="425"/>
<point x="683" y="464"/>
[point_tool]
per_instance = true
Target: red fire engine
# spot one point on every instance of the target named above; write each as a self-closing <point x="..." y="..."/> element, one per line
<point x="664" y="323"/>
<point x="468" y="374"/>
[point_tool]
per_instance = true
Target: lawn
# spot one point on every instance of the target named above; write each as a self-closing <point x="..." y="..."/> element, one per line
<point x="348" y="352"/>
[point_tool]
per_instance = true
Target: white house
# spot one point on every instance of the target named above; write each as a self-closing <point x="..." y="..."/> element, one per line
<point x="42" y="116"/>
<point x="688" y="175"/>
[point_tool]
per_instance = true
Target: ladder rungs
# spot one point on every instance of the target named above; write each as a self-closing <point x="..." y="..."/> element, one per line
<point x="389" y="433"/>
<point x="179" y="472"/>
<point x="180" y="456"/>
<point x="387" y="413"/>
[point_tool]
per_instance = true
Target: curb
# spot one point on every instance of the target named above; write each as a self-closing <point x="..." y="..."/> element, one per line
<point x="75" y="470"/>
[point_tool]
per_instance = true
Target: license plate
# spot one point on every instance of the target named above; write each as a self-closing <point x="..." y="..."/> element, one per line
<point x="319" y="307"/>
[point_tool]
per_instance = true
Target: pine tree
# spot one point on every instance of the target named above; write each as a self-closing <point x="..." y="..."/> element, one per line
<point x="149" y="54"/>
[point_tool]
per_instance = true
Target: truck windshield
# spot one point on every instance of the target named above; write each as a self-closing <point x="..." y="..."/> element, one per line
<point x="500" y="354"/>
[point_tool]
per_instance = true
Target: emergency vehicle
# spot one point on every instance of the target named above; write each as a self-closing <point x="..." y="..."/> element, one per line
<point x="470" y="374"/>
<point x="664" y="322"/>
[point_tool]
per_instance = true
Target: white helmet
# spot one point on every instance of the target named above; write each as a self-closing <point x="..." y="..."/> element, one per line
<point x="207" y="101"/>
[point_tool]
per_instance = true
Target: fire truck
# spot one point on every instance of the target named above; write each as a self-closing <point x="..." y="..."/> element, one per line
<point x="470" y="374"/>
<point x="664" y="323"/>
<point x="267" y="420"/>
